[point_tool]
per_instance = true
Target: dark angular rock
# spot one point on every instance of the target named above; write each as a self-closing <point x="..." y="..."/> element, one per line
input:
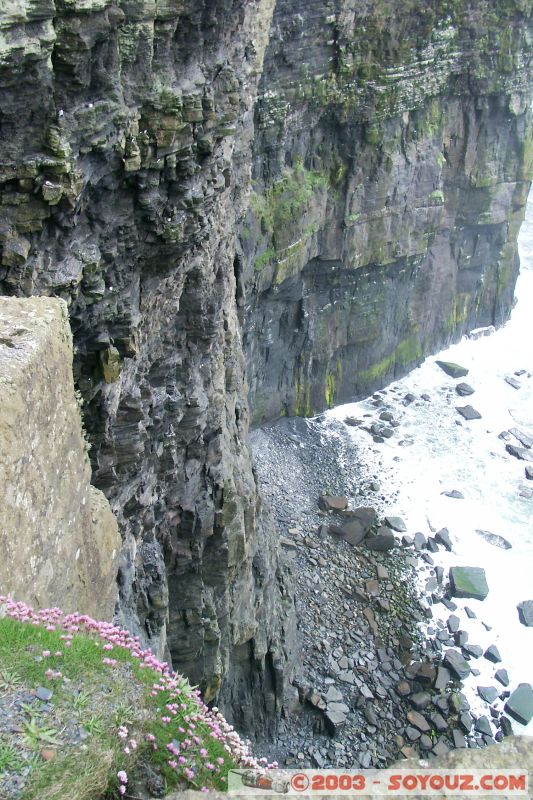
<point x="468" y="412"/>
<point x="456" y="664"/>
<point x="492" y="654"/>
<point x="438" y="722"/>
<point x="384" y="540"/>
<point x="464" y="389"/>
<point x="520" y="704"/>
<point x="465" y="721"/>
<point x="525" y="440"/>
<point x="443" y="678"/>
<point x="332" y="502"/>
<point x="425" y="742"/>
<point x="525" y="613"/>
<point x="353" y="532"/>
<point x="335" y="722"/>
<point x="412" y="733"/>
<point x="452" y="369"/>
<point x="502" y="677"/>
<point x="506" y="726"/>
<point x="522" y="453"/>
<point x="487" y="693"/>
<point x="443" y="538"/>
<point x="468" y="582"/>
<point x="482" y="725"/>
<point x="420" y="700"/>
<point x="458" y="739"/>
<point x="453" y="623"/>
<point x="396" y="523"/>
<point x="495" y="539"/>
<point x="473" y="650"/>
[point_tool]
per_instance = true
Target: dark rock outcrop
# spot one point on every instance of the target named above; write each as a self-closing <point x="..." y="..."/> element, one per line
<point x="390" y="155"/>
<point x="392" y="162"/>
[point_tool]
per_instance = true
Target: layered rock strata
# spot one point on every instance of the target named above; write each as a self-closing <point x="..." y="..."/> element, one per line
<point x="58" y="537"/>
<point x="392" y="161"/>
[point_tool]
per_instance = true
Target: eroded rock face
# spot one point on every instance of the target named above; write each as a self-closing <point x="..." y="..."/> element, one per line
<point x="126" y="138"/>
<point x="59" y="539"/>
<point x="390" y="164"/>
<point x="392" y="161"/>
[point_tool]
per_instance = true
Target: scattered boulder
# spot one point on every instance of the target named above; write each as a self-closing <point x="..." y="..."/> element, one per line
<point x="352" y="532"/>
<point x="482" y="725"/>
<point x="487" y="693"/>
<point x="383" y="540"/>
<point x="443" y="678"/>
<point x="420" y="700"/>
<point x="468" y="582"/>
<point x="452" y="369"/>
<point x="529" y="473"/>
<point x="525" y="440"/>
<point x="494" y="539"/>
<point x="512" y="382"/>
<point x="396" y="523"/>
<point x="443" y="538"/>
<point x="335" y="722"/>
<point x="522" y="453"/>
<point x="468" y="412"/>
<point x="525" y="613"/>
<point x="492" y="654"/>
<point x="353" y="421"/>
<point x="332" y="503"/>
<point x="502" y="677"/>
<point x="520" y="704"/>
<point x="455" y="494"/>
<point x="418" y="721"/>
<point x="457" y="664"/>
<point x="464" y="389"/>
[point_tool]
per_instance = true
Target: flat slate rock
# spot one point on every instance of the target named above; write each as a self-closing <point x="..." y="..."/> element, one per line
<point x="525" y="440"/>
<point x="493" y="654"/>
<point x="468" y="582"/>
<point x="443" y="538"/>
<point x="455" y="494"/>
<point x="332" y="502"/>
<point x="468" y="412"/>
<point x="522" y="453"/>
<point x="464" y="389"/>
<point x="457" y="664"/>
<point x="520" y="704"/>
<point x="488" y="693"/>
<point x="482" y="725"/>
<point x="366" y="515"/>
<point x="525" y="613"/>
<point x="494" y="539"/>
<point x="353" y="532"/>
<point x="502" y="677"/>
<point x="396" y="523"/>
<point x="458" y="739"/>
<point x="512" y="382"/>
<point x="452" y="369"/>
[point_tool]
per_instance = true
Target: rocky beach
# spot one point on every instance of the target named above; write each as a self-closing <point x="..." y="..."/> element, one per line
<point x="415" y="631"/>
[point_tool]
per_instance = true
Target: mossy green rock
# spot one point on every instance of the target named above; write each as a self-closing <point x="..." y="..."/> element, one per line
<point x="468" y="582"/>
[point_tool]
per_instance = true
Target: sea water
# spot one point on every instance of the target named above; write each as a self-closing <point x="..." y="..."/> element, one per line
<point x="434" y="450"/>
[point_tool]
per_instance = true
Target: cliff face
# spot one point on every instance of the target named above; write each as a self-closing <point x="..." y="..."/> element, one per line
<point x="390" y="163"/>
<point x="58" y="537"/>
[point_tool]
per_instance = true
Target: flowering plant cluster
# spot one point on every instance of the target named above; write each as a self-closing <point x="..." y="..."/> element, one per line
<point x="190" y="743"/>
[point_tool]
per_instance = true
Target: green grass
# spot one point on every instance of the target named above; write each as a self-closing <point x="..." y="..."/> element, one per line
<point x="100" y="699"/>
